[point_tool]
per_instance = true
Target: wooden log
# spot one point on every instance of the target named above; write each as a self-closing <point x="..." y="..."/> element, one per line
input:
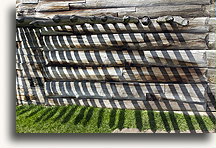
<point x="127" y="104"/>
<point x="29" y="70"/>
<point x="179" y="10"/>
<point x="30" y="59"/>
<point x="189" y="58"/>
<point x="196" y="25"/>
<point x="26" y="83"/>
<point x="30" y="1"/>
<point x="52" y="6"/>
<point x="135" y="3"/>
<point x="29" y="51"/>
<point x="211" y="107"/>
<point x="18" y="44"/>
<point x="210" y="9"/>
<point x="138" y="41"/>
<point x="22" y="21"/>
<point x="29" y="37"/>
<point x="127" y="91"/>
<point x="32" y="93"/>
<point x="211" y="41"/>
<point x="211" y="56"/>
<point x="24" y="101"/>
<point x="211" y="75"/>
<point x="210" y="94"/>
<point x="212" y="23"/>
<point x="85" y="12"/>
<point x="151" y="11"/>
<point x="127" y="74"/>
<point x="171" y="19"/>
<point x="61" y="20"/>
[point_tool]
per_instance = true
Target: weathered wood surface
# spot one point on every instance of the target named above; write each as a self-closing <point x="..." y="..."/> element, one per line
<point x="211" y="107"/>
<point x="139" y="3"/>
<point x="117" y="49"/>
<point x="180" y="10"/>
<point x="210" y="94"/>
<point x="138" y="41"/>
<point x="29" y="70"/>
<point x="211" y="75"/>
<point x="127" y="74"/>
<point x="52" y="6"/>
<point x="211" y="41"/>
<point x="82" y="12"/>
<point x="211" y="58"/>
<point x="151" y="11"/>
<point x="125" y="91"/>
<point x="29" y="1"/>
<point x="198" y="25"/>
<point x="29" y="51"/>
<point x="32" y="93"/>
<point x="25" y="83"/>
<point x="128" y="104"/>
<point x="190" y="58"/>
<point x="31" y="59"/>
<point x="61" y="20"/>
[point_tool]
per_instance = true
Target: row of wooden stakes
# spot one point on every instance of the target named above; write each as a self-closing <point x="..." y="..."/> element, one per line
<point x="60" y="20"/>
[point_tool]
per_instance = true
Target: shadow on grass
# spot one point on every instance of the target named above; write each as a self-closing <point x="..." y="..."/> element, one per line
<point x="100" y="117"/>
<point x="69" y="114"/>
<point x="88" y="116"/>
<point x="116" y="118"/>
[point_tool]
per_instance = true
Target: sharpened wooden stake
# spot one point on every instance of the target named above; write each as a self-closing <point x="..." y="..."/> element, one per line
<point x="145" y="20"/>
<point x="173" y="19"/>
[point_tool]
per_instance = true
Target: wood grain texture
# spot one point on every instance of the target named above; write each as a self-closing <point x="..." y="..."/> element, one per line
<point x="190" y="58"/>
<point x="32" y="93"/>
<point x="211" y="56"/>
<point x="127" y="91"/>
<point x="198" y="25"/>
<point x="211" y="75"/>
<point x="210" y="97"/>
<point x="138" y="3"/>
<point x="138" y="41"/>
<point x="29" y="1"/>
<point x="52" y="6"/>
<point x="30" y="59"/>
<point x="211" y="107"/>
<point x="86" y="12"/>
<point x="126" y="104"/>
<point x="127" y="74"/>
<point x="29" y="70"/>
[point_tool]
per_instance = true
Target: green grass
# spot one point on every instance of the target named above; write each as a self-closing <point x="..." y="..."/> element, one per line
<point x="78" y="119"/>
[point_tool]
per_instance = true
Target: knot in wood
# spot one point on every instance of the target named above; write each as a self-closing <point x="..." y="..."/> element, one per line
<point x="56" y="19"/>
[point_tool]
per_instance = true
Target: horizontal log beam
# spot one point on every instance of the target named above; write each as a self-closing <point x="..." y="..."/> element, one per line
<point x="52" y="6"/>
<point x="127" y="104"/>
<point x="189" y="58"/>
<point x="29" y="70"/>
<point x="138" y="41"/>
<point x="198" y="25"/>
<point x="127" y="91"/>
<point x="30" y="59"/>
<point x="129" y="3"/>
<point x="81" y="12"/>
<point x="32" y="93"/>
<point x="29" y="1"/>
<point x="127" y="74"/>
<point x="180" y="10"/>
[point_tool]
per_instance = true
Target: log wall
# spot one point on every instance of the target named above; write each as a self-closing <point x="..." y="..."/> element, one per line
<point x="152" y="54"/>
